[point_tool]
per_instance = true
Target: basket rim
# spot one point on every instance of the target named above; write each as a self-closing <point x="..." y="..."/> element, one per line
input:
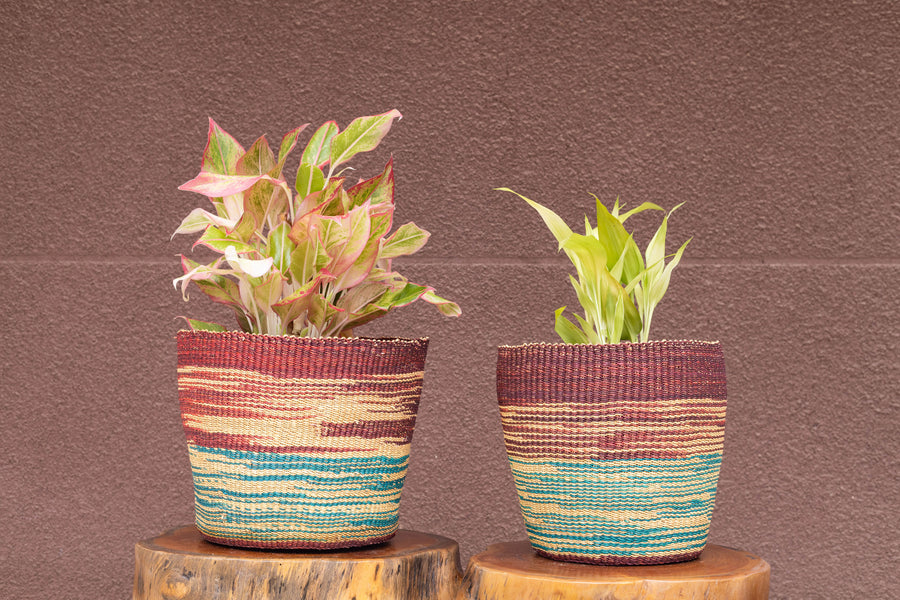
<point x="296" y="339"/>
<point x="638" y="345"/>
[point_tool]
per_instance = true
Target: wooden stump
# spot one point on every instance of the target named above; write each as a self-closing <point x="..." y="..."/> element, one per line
<point x="513" y="571"/>
<point x="181" y="565"/>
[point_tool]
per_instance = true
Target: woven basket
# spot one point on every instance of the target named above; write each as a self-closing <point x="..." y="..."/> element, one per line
<point x="615" y="449"/>
<point x="298" y="442"/>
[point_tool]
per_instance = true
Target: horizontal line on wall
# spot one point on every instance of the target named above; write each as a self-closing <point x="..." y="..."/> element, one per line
<point x="485" y="260"/>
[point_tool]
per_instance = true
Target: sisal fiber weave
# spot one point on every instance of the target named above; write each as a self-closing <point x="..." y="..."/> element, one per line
<point x="298" y="442"/>
<point x="615" y="449"/>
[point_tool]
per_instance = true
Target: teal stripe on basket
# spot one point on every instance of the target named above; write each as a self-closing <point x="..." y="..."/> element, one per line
<point x="618" y="507"/>
<point x="309" y="497"/>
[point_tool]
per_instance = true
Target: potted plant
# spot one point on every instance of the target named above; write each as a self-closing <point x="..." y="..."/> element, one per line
<point x="614" y="440"/>
<point x="299" y="433"/>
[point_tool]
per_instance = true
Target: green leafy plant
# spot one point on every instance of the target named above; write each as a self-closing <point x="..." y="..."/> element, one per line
<point x="310" y="260"/>
<point x="618" y="288"/>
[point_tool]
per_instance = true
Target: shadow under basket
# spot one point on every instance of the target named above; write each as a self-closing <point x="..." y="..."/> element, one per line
<point x="298" y="442"/>
<point x="615" y="449"/>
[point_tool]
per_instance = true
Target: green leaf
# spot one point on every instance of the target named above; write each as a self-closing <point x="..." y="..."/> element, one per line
<point x="408" y="239"/>
<point x="593" y="336"/>
<point x="377" y="190"/>
<point x="333" y="198"/>
<point x="408" y="294"/>
<point x="567" y="331"/>
<point x="321" y="314"/>
<point x="307" y="260"/>
<point x="258" y="160"/>
<point x="221" y="153"/>
<point x="245" y="228"/>
<point x="618" y="321"/>
<point x="196" y="325"/>
<point x="263" y="199"/>
<point x="639" y="209"/>
<point x="356" y="227"/>
<point x="447" y="308"/>
<point x="357" y="272"/>
<point x="309" y="179"/>
<point x="280" y="247"/>
<point x="356" y="299"/>
<point x="556" y="225"/>
<point x="365" y="315"/>
<point x="221" y="290"/>
<point x="661" y="285"/>
<point x="295" y="304"/>
<point x="319" y="146"/>
<point x="617" y="242"/>
<point x="288" y="142"/>
<point x="267" y="289"/>
<point x="362" y="135"/>
<point x="656" y="249"/>
<point x="216" y="239"/>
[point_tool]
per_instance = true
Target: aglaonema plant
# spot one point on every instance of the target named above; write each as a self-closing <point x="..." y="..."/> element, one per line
<point x="618" y="287"/>
<point x="311" y="259"/>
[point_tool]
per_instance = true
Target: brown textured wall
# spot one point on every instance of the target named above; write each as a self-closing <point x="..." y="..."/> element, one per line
<point x="777" y="122"/>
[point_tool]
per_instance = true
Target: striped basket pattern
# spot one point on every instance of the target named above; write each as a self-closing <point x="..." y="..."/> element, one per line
<point x="615" y="449"/>
<point x="298" y="442"/>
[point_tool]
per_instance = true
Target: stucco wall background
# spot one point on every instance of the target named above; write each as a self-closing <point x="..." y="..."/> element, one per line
<point x="778" y="123"/>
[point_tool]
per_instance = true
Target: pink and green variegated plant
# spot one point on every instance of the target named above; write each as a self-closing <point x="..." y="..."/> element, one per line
<point x="311" y="260"/>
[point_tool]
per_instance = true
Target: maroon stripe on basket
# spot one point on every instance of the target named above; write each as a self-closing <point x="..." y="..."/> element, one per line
<point x="609" y="559"/>
<point x="247" y="442"/>
<point x="550" y="393"/>
<point x="290" y="356"/>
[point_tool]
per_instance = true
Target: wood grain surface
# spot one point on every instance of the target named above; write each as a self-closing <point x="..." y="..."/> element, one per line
<point x="181" y="565"/>
<point x="513" y="571"/>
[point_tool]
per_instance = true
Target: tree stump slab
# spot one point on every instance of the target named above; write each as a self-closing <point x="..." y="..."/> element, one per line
<point x="181" y="565"/>
<point x="513" y="571"/>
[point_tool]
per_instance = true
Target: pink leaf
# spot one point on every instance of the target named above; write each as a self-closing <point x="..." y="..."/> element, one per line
<point x="215" y="185"/>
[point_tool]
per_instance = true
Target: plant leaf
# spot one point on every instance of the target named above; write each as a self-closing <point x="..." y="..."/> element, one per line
<point x="199" y="219"/>
<point x="639" y="209"/>
<point x="257" y="160"/>
<point x="280" y="247"/>
<point x="295" y="304"/>
<point x="447" y="308"/>
<point x="214" y="185"/>
<point x="216" y="239"/>
<point x="252" y="267"/>
<point x="617" y="242"/>
<point x="566" y="330"/>
<point x="409" y="293"/>
<point x="557" y="226"/>
<point x="319" y="146"/>
<point x="656" y="249"/>
<point x="377" y="190"/>
<point x="196" y="325"/>
<point x="309" y="179"/>
<point x="307" y="260"/>
<point x="356" y="226"/>
<point x="221" y="153"/>
<point x="264" y="198"/>
<point x="362" y="135"/>
<point x="408" y="239"/>
<point x="288" y="142"/>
